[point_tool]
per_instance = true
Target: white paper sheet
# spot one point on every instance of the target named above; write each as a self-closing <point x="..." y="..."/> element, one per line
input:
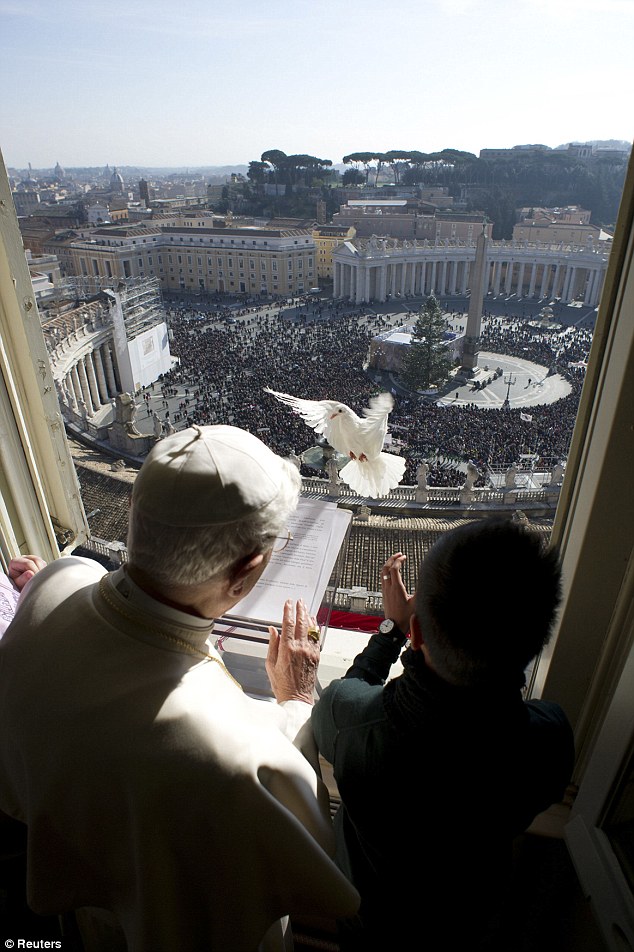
<point x="303" y="568"/>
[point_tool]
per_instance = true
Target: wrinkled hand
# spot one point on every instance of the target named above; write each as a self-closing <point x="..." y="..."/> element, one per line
<point x="397" y="603"/>
<point x="292" y="658"/>
<point x="23" y="568"/>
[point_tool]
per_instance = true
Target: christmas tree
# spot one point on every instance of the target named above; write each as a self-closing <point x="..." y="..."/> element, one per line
<point x="428" y="360"/>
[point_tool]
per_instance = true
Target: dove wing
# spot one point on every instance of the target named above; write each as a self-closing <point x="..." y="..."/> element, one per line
<point x="314" y="412"/>
<point x="374" y="425"/>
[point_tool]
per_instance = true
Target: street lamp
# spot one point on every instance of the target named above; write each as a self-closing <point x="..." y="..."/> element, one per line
<point x="510" y="381"/>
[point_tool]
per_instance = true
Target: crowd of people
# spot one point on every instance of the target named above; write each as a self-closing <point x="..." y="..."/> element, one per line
<point x="318" y="351"/>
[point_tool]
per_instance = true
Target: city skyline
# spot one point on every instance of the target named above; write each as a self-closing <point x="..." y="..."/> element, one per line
<point x="150" y="85"/>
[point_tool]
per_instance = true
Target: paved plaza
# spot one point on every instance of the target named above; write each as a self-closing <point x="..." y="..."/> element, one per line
<point x="522" y="382"/>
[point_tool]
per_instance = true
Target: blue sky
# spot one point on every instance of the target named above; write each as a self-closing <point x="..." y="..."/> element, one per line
<point x="204" y="82"/>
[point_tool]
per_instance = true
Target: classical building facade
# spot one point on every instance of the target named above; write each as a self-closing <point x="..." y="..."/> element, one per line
<point x="327" y="238"/>
<point x="408" y="219"/>
<point x="570" y="224"/>
<point x="114" y="344"/>
<point x="190" y="256"/>
<point x="378" y="268"/>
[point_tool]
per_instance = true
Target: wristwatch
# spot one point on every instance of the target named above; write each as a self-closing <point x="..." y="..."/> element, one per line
<point x="389" y="627"/>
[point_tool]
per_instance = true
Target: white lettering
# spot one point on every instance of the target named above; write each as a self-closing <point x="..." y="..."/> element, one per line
<point x="38" y="944"/>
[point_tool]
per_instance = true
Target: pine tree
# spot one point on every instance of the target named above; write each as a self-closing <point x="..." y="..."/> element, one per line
<point x="428" y="360"/>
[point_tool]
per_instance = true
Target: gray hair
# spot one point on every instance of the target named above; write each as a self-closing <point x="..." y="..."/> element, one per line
<point x="182" y="556"/>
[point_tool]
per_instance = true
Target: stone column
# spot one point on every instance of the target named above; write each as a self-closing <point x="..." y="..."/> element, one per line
<point x="443" y="277"/>
<point x="366" y="283"/>
<point x="497" y="277"/>
<point x="556" y="281"/>
<point x="599" y="286"/>
<point x="488" y="277"/>
<point x="358" y="286"/>
<point x="432" y="283"/>
<point x="545" y="280"/>
<point x="465" y="277"/>
<point x="382" y="282"/>
<point x="454" y="277"/>
<point x="564" y="284"/>
<point x="70" y="392"/>
<point x="101" y="376"/>
<point x="572" y="280"/>
<point x="509" y="277"/>
<point x="92" y="381"/>
<point x="587" y="285"/>
<point x="531" y="286"/>
<point x="76" y="385"/>
<point x="596" y="287"/>
<point x="85" y="388"/>
<point x="110" y="376"/>
<point x="520" y="280"/>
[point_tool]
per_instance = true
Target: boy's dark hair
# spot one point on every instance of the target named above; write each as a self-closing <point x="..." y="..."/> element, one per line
<point x="486" y="600"/>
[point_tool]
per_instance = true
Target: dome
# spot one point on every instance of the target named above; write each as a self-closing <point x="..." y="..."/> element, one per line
<point x="116" y="181"/>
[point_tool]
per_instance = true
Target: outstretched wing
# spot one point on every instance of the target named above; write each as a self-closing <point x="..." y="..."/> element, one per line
<point x="374" y="426"/>
<point x="315" y="413"/>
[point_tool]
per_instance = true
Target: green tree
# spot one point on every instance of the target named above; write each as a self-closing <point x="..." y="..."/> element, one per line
<point x="428" y="359"/>
<point x="398" y="160"/>
<point x="276" y="158"/>
<point x="360" y="158"/>
<point x="257" y="172"/>
<point x="353" y="177"/>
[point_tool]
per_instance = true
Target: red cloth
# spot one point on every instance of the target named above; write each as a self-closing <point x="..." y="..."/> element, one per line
<point x="355" y="621"/>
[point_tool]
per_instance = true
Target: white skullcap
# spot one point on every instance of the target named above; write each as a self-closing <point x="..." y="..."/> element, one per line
<point x="207" y="475"/>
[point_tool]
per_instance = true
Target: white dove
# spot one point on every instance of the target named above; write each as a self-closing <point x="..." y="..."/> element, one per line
<point x="369" y="472"/>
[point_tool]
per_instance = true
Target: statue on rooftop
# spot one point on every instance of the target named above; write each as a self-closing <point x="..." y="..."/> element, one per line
<point x="157" y="426"/>
<point x="472" y="475"/>
<point x="421" y="482"/>
<point x="333" y="476"/>
<point x="466" y="490"/>
<point x="509" y="478"/>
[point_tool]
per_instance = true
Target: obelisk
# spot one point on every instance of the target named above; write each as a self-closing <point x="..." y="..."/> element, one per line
<point x="476" y="303"/>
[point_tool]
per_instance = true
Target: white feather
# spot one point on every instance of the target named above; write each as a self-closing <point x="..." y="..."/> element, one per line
<point x="369" y="472"/>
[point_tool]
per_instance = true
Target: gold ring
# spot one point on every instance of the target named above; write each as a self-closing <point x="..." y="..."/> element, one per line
<point x="313" y="634"/>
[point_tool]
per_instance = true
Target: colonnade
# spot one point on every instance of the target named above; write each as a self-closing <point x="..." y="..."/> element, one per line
<point x="380" y="268"/>
<point x="91" y="381"/>
<point x="82" y="354"/>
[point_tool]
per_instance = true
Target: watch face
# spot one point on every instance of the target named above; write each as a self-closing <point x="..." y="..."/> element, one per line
<point x="387" y="626"/>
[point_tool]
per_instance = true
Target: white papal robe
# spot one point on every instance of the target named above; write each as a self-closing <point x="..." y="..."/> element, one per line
<point x="152" y="786"/>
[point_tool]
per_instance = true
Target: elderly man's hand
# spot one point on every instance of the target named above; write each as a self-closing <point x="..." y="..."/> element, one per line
<point x="397" y="603"/>
<point x="23" y="568"/>
<point x="293" y="657"/>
